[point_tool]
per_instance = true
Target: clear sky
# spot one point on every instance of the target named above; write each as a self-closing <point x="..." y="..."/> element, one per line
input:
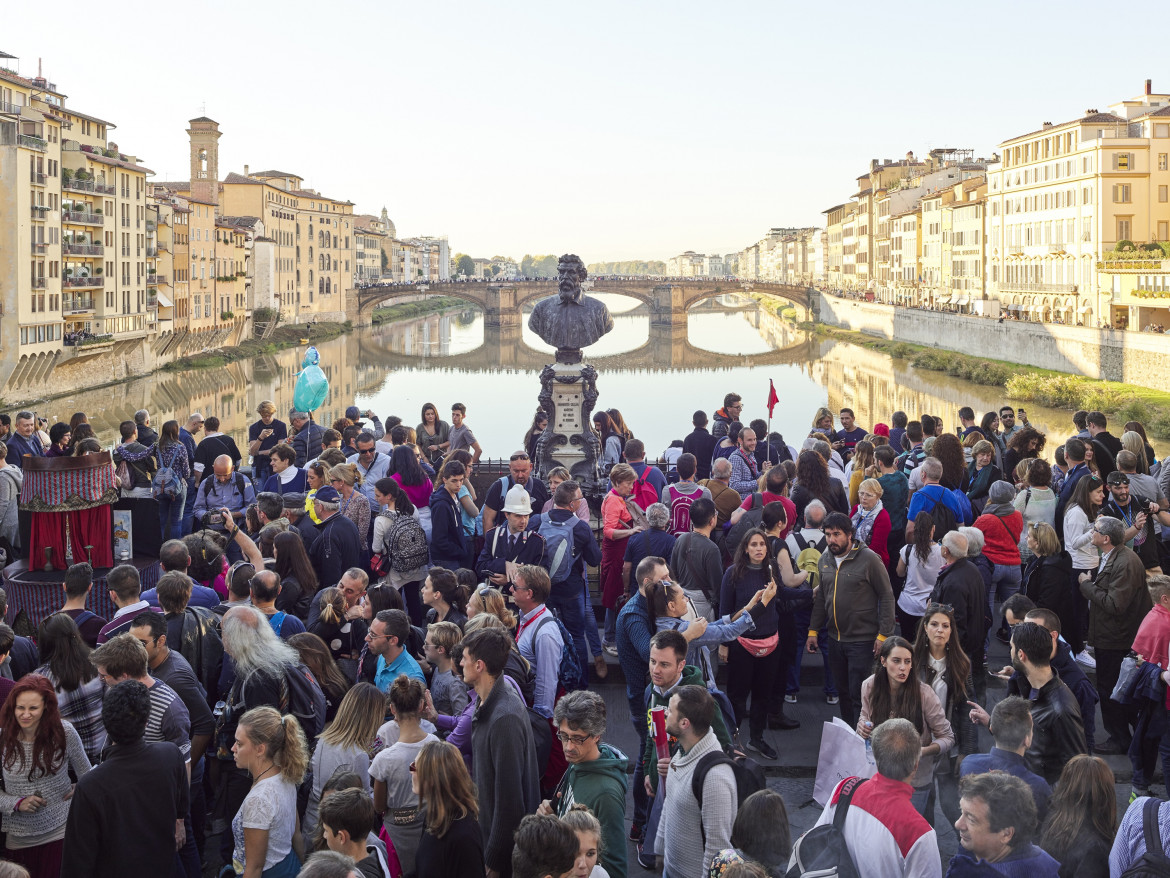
<point x="616" y="130"/>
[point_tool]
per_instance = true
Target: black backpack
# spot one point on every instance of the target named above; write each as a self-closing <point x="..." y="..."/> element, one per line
<point x="749" y="778"/>
<point x="822" y="850"/>
<point x="944" y="518"/>
<point x="303" y="697"/>
<point x="1153" y="863"/>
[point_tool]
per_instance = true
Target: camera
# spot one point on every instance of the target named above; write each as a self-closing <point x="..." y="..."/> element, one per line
<point x="213" y="519"/>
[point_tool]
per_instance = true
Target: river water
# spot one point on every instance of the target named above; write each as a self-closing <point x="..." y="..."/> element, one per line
<point x="656" y="377"/>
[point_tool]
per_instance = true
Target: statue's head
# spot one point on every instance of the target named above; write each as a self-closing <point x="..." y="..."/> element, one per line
<point x="570" y="273"/>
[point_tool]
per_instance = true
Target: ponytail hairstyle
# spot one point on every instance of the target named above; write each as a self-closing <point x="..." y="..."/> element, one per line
<point x="449" y="588"/>
<point x="406" y="697"/>
<point x="390" y="488"/>
<point x="492" y="601"/>
<point x="283" y="740"/>
<point x="923" y="536"/>
<point x="661" y="594"/>
<point x="346" y="473"/>
<point x="332" y="606"/>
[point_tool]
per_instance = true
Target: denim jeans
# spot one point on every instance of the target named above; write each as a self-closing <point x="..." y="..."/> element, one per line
<point x="1005" y="582"/>
<point x="851" y="663"/>
<point x="592" y="637"/>
<point x="638" y="717"/>
<point x="565" y="598"/>
<point x="170" y="515"/>
<point x="803" y="617"/>
<point x="610" y="626"/>
<point x="188" y="518"/>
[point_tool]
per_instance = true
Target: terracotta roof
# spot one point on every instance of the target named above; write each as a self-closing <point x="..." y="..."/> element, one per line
<point x="9" y="76"/>
<point x="233" y="177"/>
<point x="243" y="222"/>
<point x="118" y="163"/>
<point x="276" y="174"/>
<point x="72" y="112"/>
<point x="1091" y="119"/>
<point x="1164" y="111"/>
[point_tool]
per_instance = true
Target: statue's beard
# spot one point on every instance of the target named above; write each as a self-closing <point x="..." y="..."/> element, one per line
<point x="570" y="293"/>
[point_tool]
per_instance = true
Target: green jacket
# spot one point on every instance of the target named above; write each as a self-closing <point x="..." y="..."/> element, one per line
<point x="691" y="676"/>
<point x="600" y="785"/>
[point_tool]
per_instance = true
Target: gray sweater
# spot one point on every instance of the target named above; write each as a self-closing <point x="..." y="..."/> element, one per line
<point x="680" y="840"/>
<point x="53" y="788"/>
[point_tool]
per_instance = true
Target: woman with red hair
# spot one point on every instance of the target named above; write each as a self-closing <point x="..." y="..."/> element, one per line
<point x="37" y="749"/>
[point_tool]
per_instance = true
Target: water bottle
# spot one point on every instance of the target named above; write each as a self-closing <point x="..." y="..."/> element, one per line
<point x="869" y="745"/>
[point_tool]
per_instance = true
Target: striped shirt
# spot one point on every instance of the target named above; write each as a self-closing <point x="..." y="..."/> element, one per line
<point x="82" y="707"/>
<point x="1130" y="843"/>
<point x="169" y="720"/>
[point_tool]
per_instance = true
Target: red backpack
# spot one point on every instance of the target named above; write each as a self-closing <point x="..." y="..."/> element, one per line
<point x="644" y="493"/>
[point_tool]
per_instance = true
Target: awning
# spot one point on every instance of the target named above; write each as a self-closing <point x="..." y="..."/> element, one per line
<point x="1013" y="307"/>
<point x="164" y="301"/>
<point x="963" y="300"/>
<point x="944" y="299"/>
<point x="1085" y="309"/>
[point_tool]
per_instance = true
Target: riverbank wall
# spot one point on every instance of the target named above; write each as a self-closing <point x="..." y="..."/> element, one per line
<point x="1110" y="355"/>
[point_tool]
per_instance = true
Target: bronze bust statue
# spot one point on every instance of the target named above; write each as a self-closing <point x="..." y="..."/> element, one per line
<point x="570" y="320"/>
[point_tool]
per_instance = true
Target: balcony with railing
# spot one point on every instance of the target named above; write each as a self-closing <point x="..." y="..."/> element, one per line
<point x="151" y="252"/>
<point x="35" y="178"/>
<point x="151" y="225"/>
<point x="75" y="185"/>
<point x="38" y="283"/>
<point x="82" y="282"/>
<point x="28" y="141"/>
<point x="82" y="217"/>
<point x="39" y="211"/>
<point x="71" y="249"/>
<point x="77" y="305"/>
<point x="156" y="279"/>
<point x="7" y="109"/>
<point x="38" y="246"/>
<point x="1010" y="287"/>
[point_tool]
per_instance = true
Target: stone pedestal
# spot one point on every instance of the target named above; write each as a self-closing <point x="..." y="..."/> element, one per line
<point x="568" y="394"/>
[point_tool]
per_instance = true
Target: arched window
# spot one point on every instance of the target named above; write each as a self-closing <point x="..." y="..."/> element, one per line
<point x="328" y="286"/>
<point x="321" y="286"/>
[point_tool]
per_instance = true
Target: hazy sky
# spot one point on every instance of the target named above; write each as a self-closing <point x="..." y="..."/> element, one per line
<point x="615" y="130"/>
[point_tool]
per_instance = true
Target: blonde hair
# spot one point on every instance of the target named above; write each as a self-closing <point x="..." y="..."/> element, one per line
<point x="580" y="819"/>
<point x="1047" y="542"/>
<point x="873" y="486"/>
<point x="1131" y="440"/>
<point x="444" y="635"/>
<point x="821" y="414"/>
<point x="361" y="712"/>
<point x="558" y="472"/>
<point x="266" y="407"/>
<point x="345" y="472"/>
<point x="482" y="620"/>
<point x="332" y="606"/>
<point x="622" y="472"/>
<point x="283" y="739"/>
<point x="445" y="785"/>
<point x="493" y="603"/>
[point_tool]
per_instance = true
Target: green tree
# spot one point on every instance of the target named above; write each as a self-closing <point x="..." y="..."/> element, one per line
<point x="495" y="270"/>
<point x="464" y="264"/>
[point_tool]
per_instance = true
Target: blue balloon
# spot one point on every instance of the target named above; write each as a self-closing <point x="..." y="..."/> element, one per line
<point x="312" y="386"/>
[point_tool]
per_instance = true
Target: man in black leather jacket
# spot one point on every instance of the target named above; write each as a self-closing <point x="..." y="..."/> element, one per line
<point x="1057" y="732"/>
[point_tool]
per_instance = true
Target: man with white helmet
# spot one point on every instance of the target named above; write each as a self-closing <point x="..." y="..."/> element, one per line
<point x="510" y="543"/>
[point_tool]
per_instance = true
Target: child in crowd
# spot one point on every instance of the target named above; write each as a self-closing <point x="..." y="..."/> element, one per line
<point x="448" y="692"/>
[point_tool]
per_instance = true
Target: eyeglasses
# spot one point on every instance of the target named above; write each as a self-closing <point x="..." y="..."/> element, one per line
<point x="521" y="456"/>
<point x="365" y="451"/>
<point x="575" y="740"/>
<point x="370" y="635"/>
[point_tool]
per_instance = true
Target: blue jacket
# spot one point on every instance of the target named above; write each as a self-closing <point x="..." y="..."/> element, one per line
<point x="934" y="494"/>
<point x="1015" y="765"/>
<point x="1028" y="862"/>
<point x="634" y="631"/>
<point x="450" y="548"/>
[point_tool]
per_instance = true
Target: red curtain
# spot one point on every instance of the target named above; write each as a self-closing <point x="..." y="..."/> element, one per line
<point x="87" y="527"/>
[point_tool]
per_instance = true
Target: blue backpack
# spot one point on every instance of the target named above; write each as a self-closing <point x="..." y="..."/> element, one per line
<point x="558" y="546"/>
<point x="570" y="675"/>
<point x="166" y="483"/>
<point x="479" y="517"/>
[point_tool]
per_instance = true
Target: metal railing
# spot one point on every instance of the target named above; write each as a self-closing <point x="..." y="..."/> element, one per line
<point x="38" y="283"/>
<point x="8" y="109"/>
<point x="77" y="305"/>
<point x="77" y="216"/>
<point x="34" y="177"/>
<point x="82" y="282"/>
<point x="39" y="211"/>
<point x="28" y="141"/>
<point x="38" y="246"/>
<point x="156" y="279"/>
<point x="88" y="186"/>
<point x="151" y="225"/>
<point x="82" y="249"/>
<point x="151" y="252"/>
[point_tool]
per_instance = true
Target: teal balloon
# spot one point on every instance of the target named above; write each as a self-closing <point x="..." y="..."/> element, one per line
<point x="312" y="386"/>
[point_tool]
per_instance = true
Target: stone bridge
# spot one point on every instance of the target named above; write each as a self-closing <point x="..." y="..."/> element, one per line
<point x="667" y="348"/>
<point x="502" y="304"/>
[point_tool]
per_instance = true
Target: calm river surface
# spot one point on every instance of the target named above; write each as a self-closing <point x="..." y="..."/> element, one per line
<point x="656" y="377"/>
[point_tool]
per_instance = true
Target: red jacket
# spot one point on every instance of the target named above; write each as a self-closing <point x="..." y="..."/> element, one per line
<point x="1001" y="537"/>
<point x="879" y="538"/>
<point x="1152" y="641"/>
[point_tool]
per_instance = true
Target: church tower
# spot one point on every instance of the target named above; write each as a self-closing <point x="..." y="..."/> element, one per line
<point x="204" y="134"/>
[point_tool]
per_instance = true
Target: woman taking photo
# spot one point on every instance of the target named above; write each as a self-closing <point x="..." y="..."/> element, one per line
<point x="1079" y="515"/>
<point x="445" y="597"/>
<point x="394" y="794"/>
<point x="611" y="442"/>
<point x="452" y="841"/>
<point x="919" y="562"/>
<point x="354" y="505"/>
<point x="272" y="749"/>
<point x="78" y="688"/>
<point x="617" y="526"/>
<point x="286" y="477"/>
<point x="298" y="580"/>
<point x="894" y="690"/>
<point x="982" y="473"/>
<point x="1036" y="501"/>
<point x="170" y="452"/>
<point x="432" y="434"/>
<point x="871" y="522"/>
<point x="753" y="665"/>
<point x="38" y="749"/>
<point x="1082" y="818"/>
<point x="400" y="539"/>
<point x="813" y="482"/>
<point x="942" y="665"/>
<point x="346" y="741"/>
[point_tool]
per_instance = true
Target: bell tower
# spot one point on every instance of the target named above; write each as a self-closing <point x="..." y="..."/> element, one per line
<point x="204" y="134"/>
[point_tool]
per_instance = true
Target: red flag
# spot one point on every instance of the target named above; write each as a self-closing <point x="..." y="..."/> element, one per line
<point x="772" y="398"/>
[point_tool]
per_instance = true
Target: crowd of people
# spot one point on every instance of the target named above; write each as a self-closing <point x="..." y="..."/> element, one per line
<point x="353" y="664"/>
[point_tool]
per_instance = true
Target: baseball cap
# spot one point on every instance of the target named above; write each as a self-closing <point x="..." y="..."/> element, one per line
<point x="327" y="494"/>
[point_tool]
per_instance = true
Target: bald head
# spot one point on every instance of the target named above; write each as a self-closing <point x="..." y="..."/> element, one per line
<point x="222" y="466"/>
<point x="245" y="616"/>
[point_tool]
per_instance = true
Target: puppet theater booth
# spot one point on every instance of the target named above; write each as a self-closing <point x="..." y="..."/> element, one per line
<point x="71" y="512"/>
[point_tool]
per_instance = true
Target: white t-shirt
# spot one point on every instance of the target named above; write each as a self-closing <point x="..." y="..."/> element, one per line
<point x="271" y="804"/>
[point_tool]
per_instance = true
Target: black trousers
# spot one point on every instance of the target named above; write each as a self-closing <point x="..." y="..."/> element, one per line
<point x="1114" y="716"/>
<point x="851" y="664"/>
<point x="754" y="676"/>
